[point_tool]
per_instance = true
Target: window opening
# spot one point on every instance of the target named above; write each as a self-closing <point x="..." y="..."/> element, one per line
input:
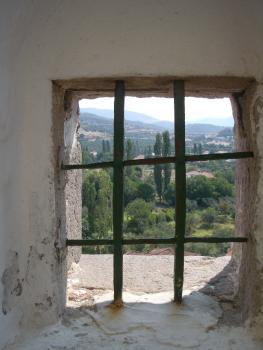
<point x="119" y="164"/>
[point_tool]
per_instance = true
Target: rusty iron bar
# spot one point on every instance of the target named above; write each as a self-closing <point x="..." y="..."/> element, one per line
<point x="87" y="166"/>
<point x="180" y="180"/>
<point x="92" y="242"/>
<point x="118" y="190"/>
<point x="162" y="160"/>
<point x="218" y="156"/>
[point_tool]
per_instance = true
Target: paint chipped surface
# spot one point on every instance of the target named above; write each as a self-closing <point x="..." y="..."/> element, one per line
<point x="148" y="321"/>
<point x="12" y="285"/>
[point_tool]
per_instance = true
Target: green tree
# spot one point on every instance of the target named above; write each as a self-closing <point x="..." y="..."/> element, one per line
<point x="158" y="168"/>
<point x="208" y="217"/>
<point x="146" y="192"/>
<point x="103" y="146"/>
<point x="130" y="190"/>
<point x="97" y="198"/>
<point x="138" y="212"/>
<point x="169" y="194"/>
<point x="148" y="151"/>
<point x="221" y="187"/>
<point x="129" y="154"/>
<point x="108" y="146"/>
<point x="130" y="149"/>
<point x="199" y="188"/>
<point x="166" y="151"/>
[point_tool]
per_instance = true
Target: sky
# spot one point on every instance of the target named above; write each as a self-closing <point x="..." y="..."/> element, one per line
<point x="162" y="108"/>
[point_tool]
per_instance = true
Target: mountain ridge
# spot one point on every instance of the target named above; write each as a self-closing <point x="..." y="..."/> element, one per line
<point x="145" y="118"/>
<point x="94" y="122"/>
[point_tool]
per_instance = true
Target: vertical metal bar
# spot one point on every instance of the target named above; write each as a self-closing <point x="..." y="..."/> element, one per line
<point x="179" y="123"/>
<point x="118" y="190"/>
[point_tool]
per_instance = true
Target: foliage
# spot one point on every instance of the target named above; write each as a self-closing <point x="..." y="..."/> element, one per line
<point x="166" y="151"/>
<point x="149" y="197"/>
<point x="158" y="168"/>
<point x="145" y="191"/>
<point x="169" y="194"/>
<point x="138" y="212"/>
<point x="97" y="199"/>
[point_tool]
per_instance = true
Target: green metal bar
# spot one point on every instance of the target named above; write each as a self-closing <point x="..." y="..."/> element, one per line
<point x="87" y="166"/>
<point x="149" y="161"/>
<point x="149" y="241"/>
<point x="162" y="160"/>
<point x="218" y="156"/>
<point x="118" y="190"/>
<point x="89" y="242"/>
<point x="215" y="239"/>
<point x="92" y="242"/>
<point x="180" y="180"/>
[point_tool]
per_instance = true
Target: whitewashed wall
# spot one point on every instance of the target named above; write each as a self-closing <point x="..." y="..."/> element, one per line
<point x="61" y="39"/>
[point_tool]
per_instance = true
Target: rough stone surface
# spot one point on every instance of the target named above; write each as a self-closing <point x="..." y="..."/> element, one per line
<point x="73" y="179"/>
<point x="145" y="322"/>
<point x="151" y="274"/>
<point x="248" y="114"/>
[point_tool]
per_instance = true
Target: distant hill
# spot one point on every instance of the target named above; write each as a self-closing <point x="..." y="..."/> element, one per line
<point x="93" y="122"/>
<point x="225" y="132"/>
<point x="199" y="129"/>
<point x="144" y="118"/>
<point x="133" y="129"/>
<point x="226" y="122"/>
<point x="132" y="116"/>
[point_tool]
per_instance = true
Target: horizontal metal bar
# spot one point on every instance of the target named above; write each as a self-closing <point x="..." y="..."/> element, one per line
<point x="215" y="239"/>
<point x="161" y="160"/>
<point x="87" y="166"/>
<point x="149" y="161"/>
<point x="149" y="241"/>
<point x="218" y="156"/>
<point x="87" y="242"/>
<point x="91" y="242"/>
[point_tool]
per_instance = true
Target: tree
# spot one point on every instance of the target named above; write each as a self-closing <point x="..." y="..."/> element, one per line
<point x="148" y="151"/>
<point x="97" y="198"/>
<point x="208" y="217"/>
<point x="108" y="146"/>
<point x="169" y="194"/>
<point x="130" y="149"/>
<point x="158" y="168"/>
<point x="87" y="157"/>
<point x="138" y="212"/>
<point x="166" y="151"/>
<point x="130" y="190"/>
<point x="146" y="192"/>
<point x="103" y="146"/>
<point x="221" y="187"/>
<point x="199" y="188"/>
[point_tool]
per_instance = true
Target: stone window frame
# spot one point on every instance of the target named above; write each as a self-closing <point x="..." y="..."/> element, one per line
<point x="211" y="87"/>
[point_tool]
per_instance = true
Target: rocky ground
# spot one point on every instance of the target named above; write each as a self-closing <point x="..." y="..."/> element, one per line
<point x="149" y="274"/>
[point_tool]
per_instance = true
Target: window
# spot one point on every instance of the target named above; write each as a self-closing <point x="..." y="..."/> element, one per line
<point x="180" y="159"/>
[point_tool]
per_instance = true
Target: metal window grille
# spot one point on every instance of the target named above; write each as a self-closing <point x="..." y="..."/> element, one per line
<point x="179" y="160"/>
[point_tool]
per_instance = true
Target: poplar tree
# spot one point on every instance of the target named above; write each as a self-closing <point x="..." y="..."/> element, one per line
<point x="166" y="151"/>
<point x="158" y="168"/>
<point x="103" y="146"/>
<point x="129" y="150"/>
<point x="108" y="146"/>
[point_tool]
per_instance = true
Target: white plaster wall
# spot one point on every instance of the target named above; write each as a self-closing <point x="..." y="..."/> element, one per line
<point x="60" y="39"/>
